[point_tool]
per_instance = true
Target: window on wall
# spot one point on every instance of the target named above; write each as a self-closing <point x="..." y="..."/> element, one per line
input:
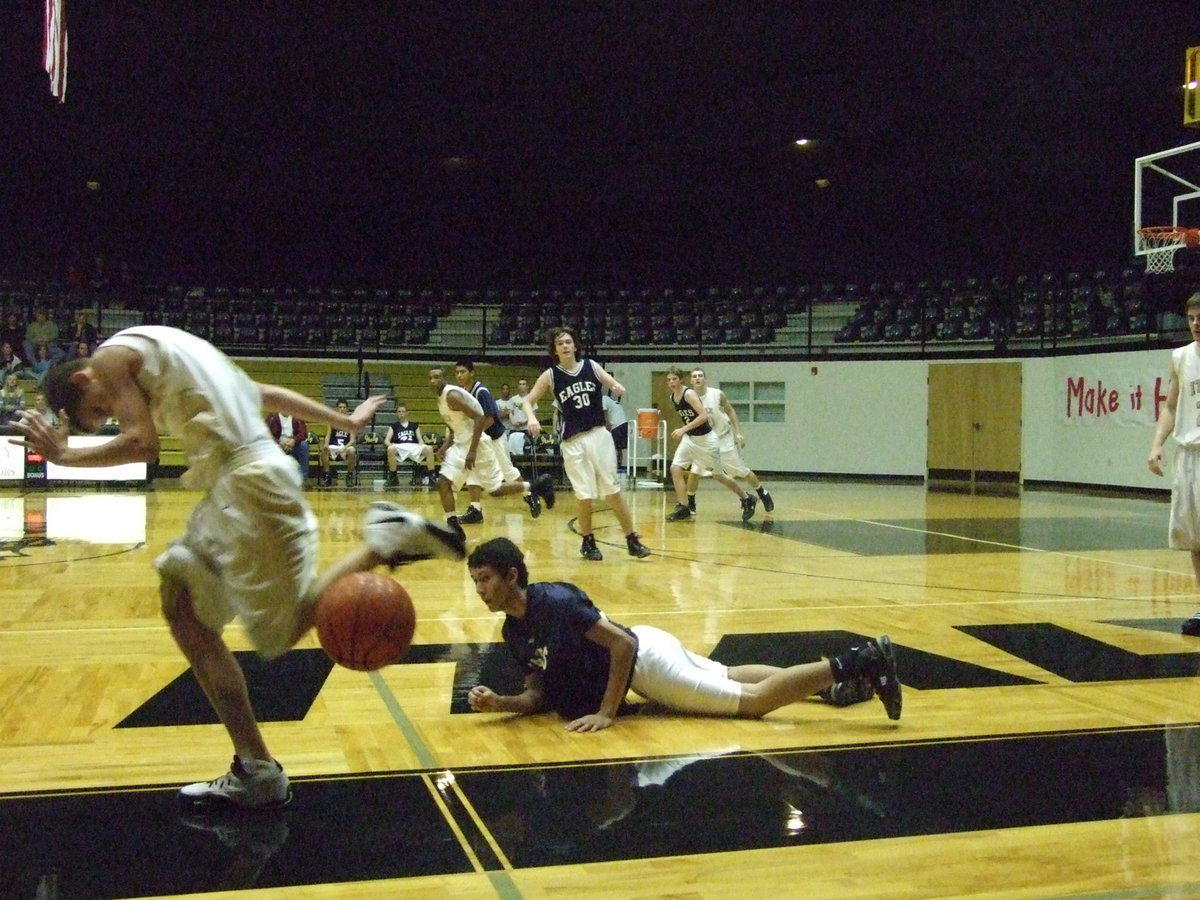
<point x="756" y="401"/>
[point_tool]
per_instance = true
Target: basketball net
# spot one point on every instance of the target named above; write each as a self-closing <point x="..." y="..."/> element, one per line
<point x="1159" y="243"/>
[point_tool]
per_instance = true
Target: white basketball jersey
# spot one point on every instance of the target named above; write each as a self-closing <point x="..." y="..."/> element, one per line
<point x="1185" y="362"/>
<point x="196" y="394"/>
<point x="711" y="400"/>
<point x="461" y="425"/>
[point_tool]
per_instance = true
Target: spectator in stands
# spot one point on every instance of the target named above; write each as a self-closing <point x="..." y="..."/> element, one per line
<point x="40" y="404"/>
<point x="340" y="444"/>
<point x="42" y="330"/>
<point x="9" y="361"/>
<point x="518" y="436"/>
<point x="13" y="332"/>
<point x="82" y="332"/>
<point x="405" y="443"/>
<point x="618" y="426"/>
<point x="41" y="364"/>
<point x="504" y="403"/>
<point x="12" y="398"/>
<point x="291" y="434"/>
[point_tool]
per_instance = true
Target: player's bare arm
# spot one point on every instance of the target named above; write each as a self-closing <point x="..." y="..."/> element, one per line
<point x="622" y="650"/>
<point x="284" y="400"/>
<point x="1166" y="424"/>
<point x="535" y="393"/>
<point x="528" y="702"/>
<point x="608" y="381"/>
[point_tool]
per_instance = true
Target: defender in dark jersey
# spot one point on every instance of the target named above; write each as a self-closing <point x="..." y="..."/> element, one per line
<point x="581" y="665"/>
<point x="587" y="448"/>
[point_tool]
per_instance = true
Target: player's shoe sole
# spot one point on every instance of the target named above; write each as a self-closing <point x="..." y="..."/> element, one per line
<point x="399" y="536"/>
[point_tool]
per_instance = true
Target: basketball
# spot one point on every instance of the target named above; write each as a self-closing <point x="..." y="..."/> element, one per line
<point x="365" y="621"/>
<point x="1191" y="238"/>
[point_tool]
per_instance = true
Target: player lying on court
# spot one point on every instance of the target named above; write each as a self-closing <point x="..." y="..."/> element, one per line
<point x="250" y="546"/>
<point x="581" y="665"/>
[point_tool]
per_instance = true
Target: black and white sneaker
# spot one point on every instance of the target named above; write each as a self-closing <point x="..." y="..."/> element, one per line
<point x="749" y="505"/>
<point x="882" y="672"/>
<point x="399" y="536"/>
<point x="259" y="785"/>
<point x="635" y="546"/>
<point x="473" y="516"/>
<point x="679" y="514"/>
<point x="543" y="487"/>
<point x="589" y="550"/>
<point x="768" y="501"/>
<point x="847" y="693"/>
<point x="692" y="502"/>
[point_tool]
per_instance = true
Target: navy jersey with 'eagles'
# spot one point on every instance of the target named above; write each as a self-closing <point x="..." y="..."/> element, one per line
<point x="580" y="402"/>
<point x="488" y="402"/>
<point x="549" y="641"/>
<point x="689" y="415"/>
<point x="339" y="438"/>
<point x="404" y="434"/>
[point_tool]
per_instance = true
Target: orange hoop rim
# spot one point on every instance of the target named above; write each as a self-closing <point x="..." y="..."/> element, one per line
<point x="1154" y="235"/>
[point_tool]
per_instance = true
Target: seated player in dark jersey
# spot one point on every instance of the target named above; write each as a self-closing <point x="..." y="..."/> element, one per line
<point x="581" y="665"/>
<point x="339" y="444"/>
<point x="405" y="443"/>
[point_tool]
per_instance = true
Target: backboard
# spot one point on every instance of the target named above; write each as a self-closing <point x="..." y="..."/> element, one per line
<point x="1166" y="191"/>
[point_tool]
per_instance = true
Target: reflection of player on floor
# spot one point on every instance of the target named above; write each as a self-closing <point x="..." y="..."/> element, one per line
<point x="587" y="448"/>
<point x="697" y="449"/>
<point x="467" y="452"/>
<point x="250" y="547"/>
<point x="728" y="429"/>
<point x="581" y="665"/>
<point x="1184" y="532"/>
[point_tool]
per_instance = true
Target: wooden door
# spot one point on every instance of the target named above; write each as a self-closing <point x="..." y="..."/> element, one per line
<point x="974" y="424"/>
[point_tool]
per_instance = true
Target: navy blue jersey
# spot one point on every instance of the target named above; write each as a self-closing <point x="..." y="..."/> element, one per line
<point x="339" y="438"/>
<point x="488" y="402"/>
<point x="689" y="415"/>
<point x="550" y="642"/>
<point x="404" y="434"/>
<point x="580" y="401"/>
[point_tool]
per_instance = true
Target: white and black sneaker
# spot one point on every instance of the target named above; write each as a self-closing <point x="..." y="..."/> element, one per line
<point x="399" y="536"/>
<point x="259" y="784"/>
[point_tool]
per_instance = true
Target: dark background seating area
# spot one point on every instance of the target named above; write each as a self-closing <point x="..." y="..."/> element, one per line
<point x="1027" y="313"/>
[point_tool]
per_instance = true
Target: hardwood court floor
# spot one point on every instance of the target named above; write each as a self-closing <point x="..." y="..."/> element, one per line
<point x="1049" y="747"/>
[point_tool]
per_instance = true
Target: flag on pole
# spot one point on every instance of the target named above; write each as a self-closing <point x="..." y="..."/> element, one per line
<point x="54" y="50"/>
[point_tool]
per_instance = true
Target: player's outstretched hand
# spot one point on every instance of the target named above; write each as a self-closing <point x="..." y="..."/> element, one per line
<point x="594" y="722"/>
<point x="38" y="435"/>
<point x="365" y="411"/>
<point x="482" y="699"/>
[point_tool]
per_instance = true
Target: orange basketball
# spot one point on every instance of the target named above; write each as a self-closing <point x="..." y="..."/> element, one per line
<point x="1191" y="237"/>
<point x="365" y="621"/>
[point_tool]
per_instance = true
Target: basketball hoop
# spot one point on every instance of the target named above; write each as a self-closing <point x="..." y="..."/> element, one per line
<point x="1159" y="243"/>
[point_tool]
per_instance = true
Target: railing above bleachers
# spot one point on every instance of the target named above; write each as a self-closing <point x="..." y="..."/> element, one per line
<point x="1044" y="314"/>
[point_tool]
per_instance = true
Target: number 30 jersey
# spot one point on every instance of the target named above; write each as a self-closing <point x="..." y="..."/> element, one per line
<point x="580" y="403"/>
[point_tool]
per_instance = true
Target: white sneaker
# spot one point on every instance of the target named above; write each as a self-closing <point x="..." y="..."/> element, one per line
<point x="262" y="785"/>
<point x="399" y="536"/>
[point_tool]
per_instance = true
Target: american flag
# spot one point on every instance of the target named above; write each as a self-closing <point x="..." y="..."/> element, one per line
<point x="54" y="55"/>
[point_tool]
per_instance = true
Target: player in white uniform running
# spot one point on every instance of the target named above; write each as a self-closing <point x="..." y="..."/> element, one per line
<point x="250" y="546"/>
<point x="1184" y="425"/>
<point x="466" y="451"/>
<point x="697" y="449"/>
<point x="728" y="430"/>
